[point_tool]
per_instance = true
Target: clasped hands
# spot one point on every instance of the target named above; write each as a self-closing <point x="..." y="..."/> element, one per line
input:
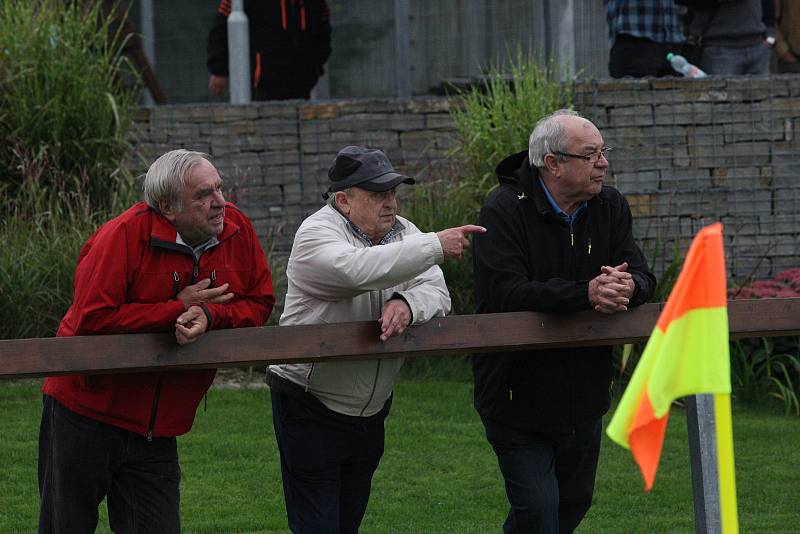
<point x="611" y="291"/>
<point x="193" y="323"/>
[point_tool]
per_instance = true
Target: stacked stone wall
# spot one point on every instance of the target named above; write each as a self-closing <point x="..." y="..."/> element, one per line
<point x="686" y="153"/>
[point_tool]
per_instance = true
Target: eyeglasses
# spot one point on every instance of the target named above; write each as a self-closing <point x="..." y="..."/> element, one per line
<point x="591" y="158"/>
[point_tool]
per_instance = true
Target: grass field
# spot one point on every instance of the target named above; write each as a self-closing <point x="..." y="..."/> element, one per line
<point x="438" y="474"/>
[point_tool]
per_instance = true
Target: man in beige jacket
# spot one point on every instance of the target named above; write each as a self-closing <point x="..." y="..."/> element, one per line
<point x="353" y="260"/>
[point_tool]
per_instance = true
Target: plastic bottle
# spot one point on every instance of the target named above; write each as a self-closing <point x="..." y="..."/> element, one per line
<point x="682" y="66"/>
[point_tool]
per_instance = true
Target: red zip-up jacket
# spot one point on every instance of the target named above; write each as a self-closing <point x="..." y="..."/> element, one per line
<point x="129" y="273"/>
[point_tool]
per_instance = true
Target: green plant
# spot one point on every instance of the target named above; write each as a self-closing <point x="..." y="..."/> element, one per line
<point x="64" y="116"/>
<point x="492" y="121"/>
<point x="767" y="368"/>
<point x="495" y="120"/>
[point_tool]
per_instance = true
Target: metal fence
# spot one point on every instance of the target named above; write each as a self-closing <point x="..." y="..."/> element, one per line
<point x="387" y="48"/>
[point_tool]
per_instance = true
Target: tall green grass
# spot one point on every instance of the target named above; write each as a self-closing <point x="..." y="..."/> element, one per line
<point x="64" y="115"/>
<point x="492" y="120"/>
<point x="64" y="124"/>
<point x="496" y="119"/>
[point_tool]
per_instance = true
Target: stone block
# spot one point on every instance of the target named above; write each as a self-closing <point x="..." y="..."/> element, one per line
<point x="279" y="157"/>
<point x="439" y="121"/>
<point x="631" y="116"/>
<point x="636" y="182"/>
<point x="641" y="205"/>
<point x="741" y="177"/>
<point x="285" y="110"/>
<point x="760" y="130"/>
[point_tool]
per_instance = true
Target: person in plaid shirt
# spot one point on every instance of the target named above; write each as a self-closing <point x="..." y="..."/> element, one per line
<point x="642" y="33"/>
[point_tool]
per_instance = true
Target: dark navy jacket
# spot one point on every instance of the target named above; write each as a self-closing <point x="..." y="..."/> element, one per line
<point x="530" y="259"/>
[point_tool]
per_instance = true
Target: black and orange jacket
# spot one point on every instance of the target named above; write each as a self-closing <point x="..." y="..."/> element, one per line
<point x="290" y="41"/>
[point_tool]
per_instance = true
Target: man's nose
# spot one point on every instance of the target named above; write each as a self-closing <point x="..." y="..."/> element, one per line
<point x="218" y="199"/>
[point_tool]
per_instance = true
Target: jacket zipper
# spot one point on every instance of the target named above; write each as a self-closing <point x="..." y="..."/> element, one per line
<point x="374" y="387"/>
<point x="154" y="411"/>
<point x="377" y="367"/>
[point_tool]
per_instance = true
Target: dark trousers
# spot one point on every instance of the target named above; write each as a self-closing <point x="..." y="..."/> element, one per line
<point x="82" y="461"/>
<point x="326" y="465"/>
<point x="638" y="57"/>
<point x="549" y="478"/>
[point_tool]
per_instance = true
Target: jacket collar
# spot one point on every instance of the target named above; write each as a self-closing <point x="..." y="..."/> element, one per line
<point x="517" y="173"/>
<point x="164" y="234"/>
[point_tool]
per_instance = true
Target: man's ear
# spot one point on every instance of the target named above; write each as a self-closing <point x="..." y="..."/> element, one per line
<point x="551" y="163"/>
<point x="342" y="202"/>
<point x="166" y="210"/>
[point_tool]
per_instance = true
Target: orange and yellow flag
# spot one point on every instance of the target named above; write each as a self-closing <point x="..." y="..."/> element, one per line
<point x="687" y="354"/>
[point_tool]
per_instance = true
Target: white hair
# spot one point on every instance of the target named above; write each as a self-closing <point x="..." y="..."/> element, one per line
<point x="548" y="137"/>
<point x="166" y="177"/>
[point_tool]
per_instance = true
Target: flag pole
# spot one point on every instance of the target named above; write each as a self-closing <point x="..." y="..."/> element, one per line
<point x="703" y="460"/>
<point x="709" y="422"/>
<point x="726" y="469"/>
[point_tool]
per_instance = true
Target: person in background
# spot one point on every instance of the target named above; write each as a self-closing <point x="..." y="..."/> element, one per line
<point x="182" y="261"/>
<point x="353" y="260"/>
<point x="787" y="43"/>
<point x="737" y="35"/>
<point x="290" y="41"/>
<point x="560" y="241"/>
<point x="642" y="33"/>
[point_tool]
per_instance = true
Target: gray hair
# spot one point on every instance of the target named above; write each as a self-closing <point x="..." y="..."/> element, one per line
<point x="166" y="177"/>
<point x="330" y="200"/>
<point x="548" y="137"/>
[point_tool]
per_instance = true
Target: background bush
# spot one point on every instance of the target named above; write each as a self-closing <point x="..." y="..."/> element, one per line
<point x="64" y="117"/>
<point x="493" y="120"/>
<point x="64" y="125"/>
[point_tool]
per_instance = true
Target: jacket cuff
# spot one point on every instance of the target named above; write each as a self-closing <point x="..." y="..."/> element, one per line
<point x="208" y="316"/>
<point x="400" y="296"/>
<point x="438" y="253"/>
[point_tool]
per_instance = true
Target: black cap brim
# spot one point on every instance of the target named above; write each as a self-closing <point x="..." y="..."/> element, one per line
<point x="385" y="182"/>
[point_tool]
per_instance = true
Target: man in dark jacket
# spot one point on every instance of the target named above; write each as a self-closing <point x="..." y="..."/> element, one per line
<point x="290" y="41"/>
<point x="184" y="261"/>
<point x="560" y="241"/>
<point x="737" y="35"/>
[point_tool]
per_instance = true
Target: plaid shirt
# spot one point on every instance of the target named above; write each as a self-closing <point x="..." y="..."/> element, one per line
<point x="656" y="20"/>
<point x="396" y="228"/>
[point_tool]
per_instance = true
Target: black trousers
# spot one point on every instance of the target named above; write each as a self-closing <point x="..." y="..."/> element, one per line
<point x="326" y="466"/>
<point x="549" y="479"/>
<point x="83" y="461"/>
<point x="638" y="57"/>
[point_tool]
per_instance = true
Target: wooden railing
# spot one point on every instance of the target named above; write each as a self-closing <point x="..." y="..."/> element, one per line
<point x="352" y="341"/>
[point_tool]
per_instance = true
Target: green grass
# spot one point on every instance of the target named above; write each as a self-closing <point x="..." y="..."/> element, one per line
<point x="438" y="473"/>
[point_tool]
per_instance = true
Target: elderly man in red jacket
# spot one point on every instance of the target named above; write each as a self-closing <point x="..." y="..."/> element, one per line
<point x="183" y="260"/>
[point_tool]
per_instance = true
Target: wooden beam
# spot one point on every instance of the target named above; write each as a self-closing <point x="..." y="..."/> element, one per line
<point x="354" y="341"/>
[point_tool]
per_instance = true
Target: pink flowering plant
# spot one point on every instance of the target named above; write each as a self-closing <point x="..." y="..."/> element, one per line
<point x="768" y="368"/>
<point x="785" y="284"/>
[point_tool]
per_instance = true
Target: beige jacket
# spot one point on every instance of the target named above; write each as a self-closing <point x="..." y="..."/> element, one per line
<point x="335" y="277"/>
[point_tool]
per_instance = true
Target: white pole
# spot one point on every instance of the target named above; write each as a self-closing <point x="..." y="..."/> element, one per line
<point x="239" y="54"/>
<point x="148" y="41"/>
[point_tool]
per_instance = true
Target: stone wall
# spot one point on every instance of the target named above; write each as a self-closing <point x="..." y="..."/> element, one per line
<point x="686" y="153"/>
<point x="274" y="157"/>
